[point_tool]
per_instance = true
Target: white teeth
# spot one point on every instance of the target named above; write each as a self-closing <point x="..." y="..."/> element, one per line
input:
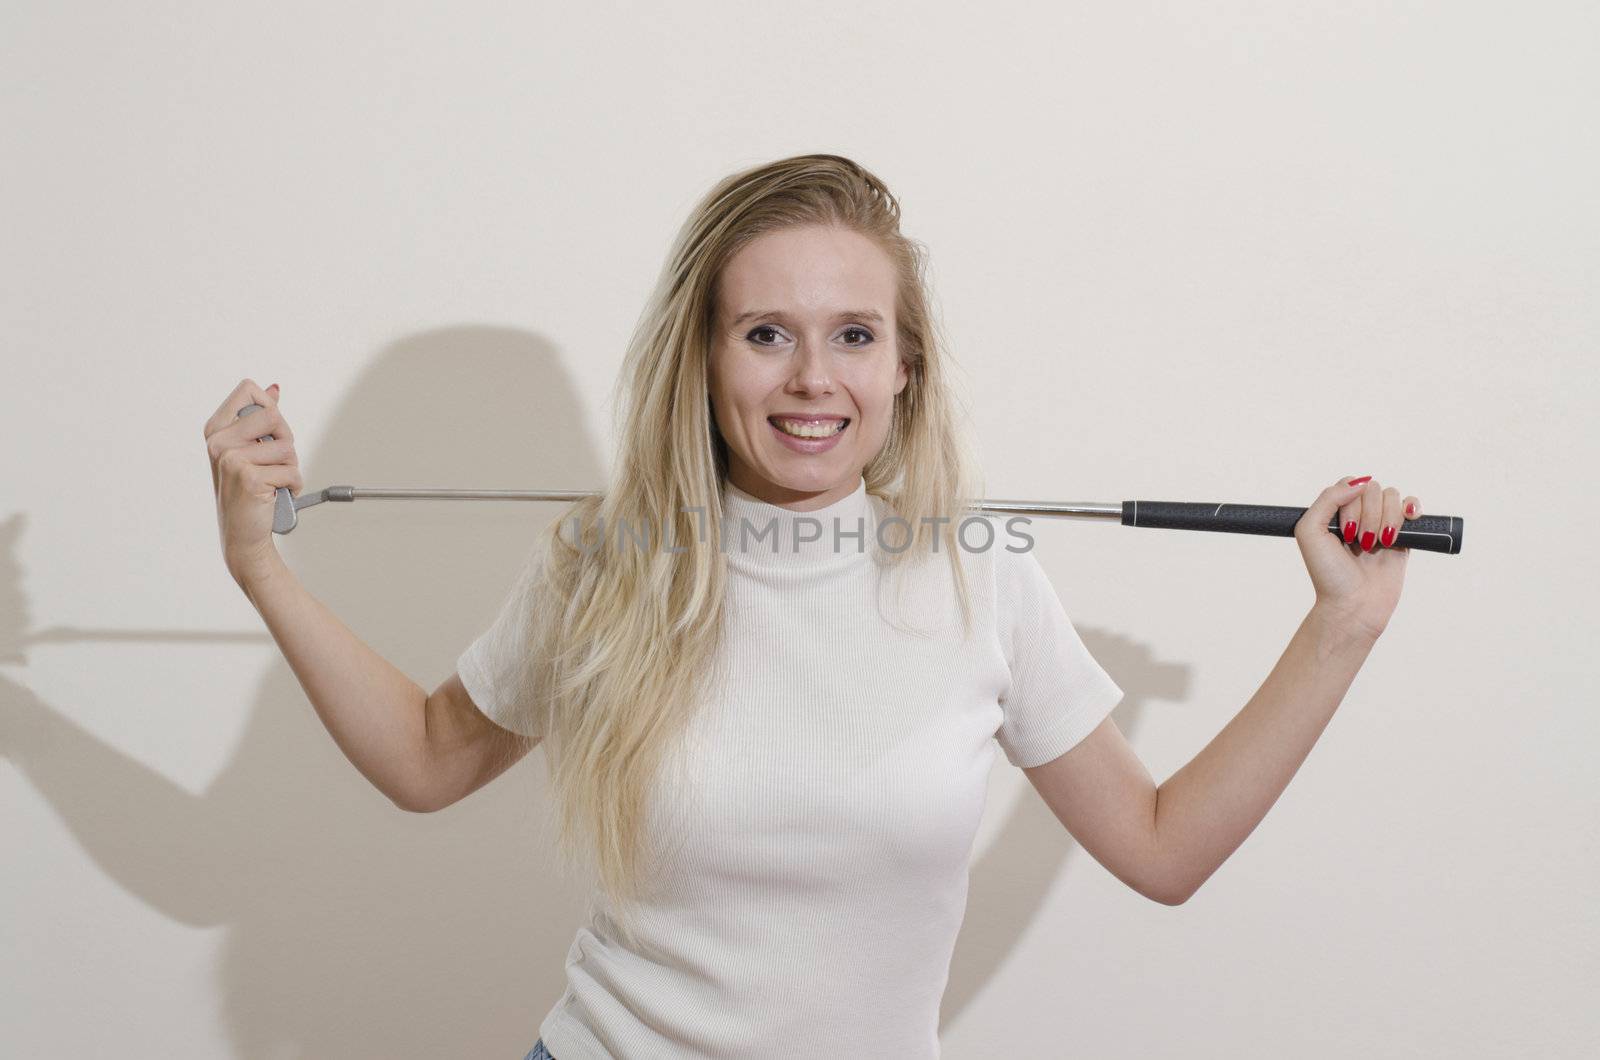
<point x="803" y="429"/>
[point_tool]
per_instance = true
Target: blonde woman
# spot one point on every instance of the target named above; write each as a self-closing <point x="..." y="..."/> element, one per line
<point x="772" y="662"/>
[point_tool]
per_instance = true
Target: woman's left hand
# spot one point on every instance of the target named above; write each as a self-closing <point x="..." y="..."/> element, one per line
<point x="1357" y="579"/>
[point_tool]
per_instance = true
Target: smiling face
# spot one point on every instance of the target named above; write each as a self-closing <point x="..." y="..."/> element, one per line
<point x="804" y="340"/>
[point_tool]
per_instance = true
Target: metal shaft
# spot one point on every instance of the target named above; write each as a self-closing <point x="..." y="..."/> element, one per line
<point x="1431" y="533"/>
<point x="353" y="493"/>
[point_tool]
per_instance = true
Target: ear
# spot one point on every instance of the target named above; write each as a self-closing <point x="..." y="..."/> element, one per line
<point x="902" y="375"/>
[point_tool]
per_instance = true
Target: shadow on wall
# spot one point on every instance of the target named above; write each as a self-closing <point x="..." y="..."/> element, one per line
<point x="1010" y="883"/>
<point x="354" y="928"/>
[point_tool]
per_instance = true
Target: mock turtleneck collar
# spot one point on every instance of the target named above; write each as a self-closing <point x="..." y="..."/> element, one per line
<point x="773" y="536"/>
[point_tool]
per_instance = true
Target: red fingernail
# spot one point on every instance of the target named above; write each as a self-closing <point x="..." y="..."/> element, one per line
<point x="1388" y="536"/>
<point x="1359" y="481"/>
<point x="1411" y="509"/>
<point x="1349" y="531"/>
<point x="274" y="386"/>
<point x="1366" y="541"/>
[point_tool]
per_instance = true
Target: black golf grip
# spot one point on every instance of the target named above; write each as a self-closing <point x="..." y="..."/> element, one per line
<point x="283" y="513"/>
<point x="1428" y="533"/>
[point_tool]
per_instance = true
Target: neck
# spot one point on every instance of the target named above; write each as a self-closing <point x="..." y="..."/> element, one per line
<point x="794" y="500"/>
<point x="760" y="532"/>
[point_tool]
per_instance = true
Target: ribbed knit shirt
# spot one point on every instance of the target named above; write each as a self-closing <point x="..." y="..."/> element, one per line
<point x="838" y="772"/>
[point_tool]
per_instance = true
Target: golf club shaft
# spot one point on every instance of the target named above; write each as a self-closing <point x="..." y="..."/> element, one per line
<point x="1428" y="533"/>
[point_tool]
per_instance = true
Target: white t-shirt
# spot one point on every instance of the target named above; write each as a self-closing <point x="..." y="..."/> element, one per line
<point x="838" y="776"/>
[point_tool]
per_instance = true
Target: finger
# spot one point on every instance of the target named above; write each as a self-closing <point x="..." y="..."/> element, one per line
<point x="1412" y="508"/>
<point x="263" y="422"/>
<point x="1350" y="510"/>
<point x="1390" y="522"/>
<point x="261" y="453"/>
<point x="1321" y="511"/>
<point x="227" y="413"/>
<point x="224" y="414"/>
<point x="1350" y="517"/>
<point x="259" y="477"/>
<point x="218" y="419"/>
<point x="1371" y="515"/>
<point x="287" y="475"/>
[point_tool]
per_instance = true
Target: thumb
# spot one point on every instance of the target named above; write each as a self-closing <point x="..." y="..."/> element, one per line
<point x="273" y="390"/>
<point x="1320" y="514"/>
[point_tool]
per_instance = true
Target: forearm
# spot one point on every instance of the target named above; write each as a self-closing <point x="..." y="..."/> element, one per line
<point x="375" y="713"/>
<point x="1207" y="808"/>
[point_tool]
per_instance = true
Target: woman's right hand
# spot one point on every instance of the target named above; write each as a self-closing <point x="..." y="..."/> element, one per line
<point x="246" y="472"/>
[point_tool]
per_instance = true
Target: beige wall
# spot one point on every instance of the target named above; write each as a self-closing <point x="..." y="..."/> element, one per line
<point x="1191" y="252"/>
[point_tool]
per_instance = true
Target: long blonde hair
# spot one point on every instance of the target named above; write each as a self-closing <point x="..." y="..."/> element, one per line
<point x="622" y="640"/>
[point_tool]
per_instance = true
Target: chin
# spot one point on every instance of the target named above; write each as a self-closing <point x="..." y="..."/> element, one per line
<point x="813" y="482"/>
<point x="813" y="477"/>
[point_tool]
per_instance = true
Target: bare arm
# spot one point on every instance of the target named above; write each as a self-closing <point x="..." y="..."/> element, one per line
<point x="465" y="749"/>
<point x="1105" y="797"/>
<point x="425" y="752"/>
<point x="1166" y="841"/>
<point x="1207" y="808"/>
<point x="422" y="751"/>
<point x="375" y="713"/>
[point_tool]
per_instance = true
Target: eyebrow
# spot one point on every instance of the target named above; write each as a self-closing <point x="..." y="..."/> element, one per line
<point x="862" y="314"/>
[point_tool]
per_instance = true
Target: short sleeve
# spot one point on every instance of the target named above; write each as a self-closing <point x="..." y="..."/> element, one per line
<point x="494" y="667"/>
<point x="1058" y="692"/>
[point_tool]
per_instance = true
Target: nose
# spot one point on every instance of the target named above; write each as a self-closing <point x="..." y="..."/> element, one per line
<point x="813" y="369"/>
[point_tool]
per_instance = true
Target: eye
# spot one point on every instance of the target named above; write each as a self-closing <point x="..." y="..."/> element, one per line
<point x="866" y="339"/>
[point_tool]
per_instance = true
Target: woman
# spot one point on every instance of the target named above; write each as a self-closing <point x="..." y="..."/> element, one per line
<point x="772" y="661"/>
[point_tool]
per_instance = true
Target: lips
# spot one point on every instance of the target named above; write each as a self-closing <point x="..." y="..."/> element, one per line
<point x="809" y="428"/>
<point x="809" y="435"/>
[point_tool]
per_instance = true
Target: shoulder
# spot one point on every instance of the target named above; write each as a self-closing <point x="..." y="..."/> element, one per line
<point x="1023" y="592"/>
<point x="998" y="547"/>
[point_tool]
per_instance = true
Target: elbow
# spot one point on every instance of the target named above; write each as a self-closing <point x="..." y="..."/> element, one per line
<point x="414" y="802"/>
<point x="1169" y="880"/>
<point x="1171" y="891"/>
<point x="1168" y="897"/>
<point x="416" y="789"/>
